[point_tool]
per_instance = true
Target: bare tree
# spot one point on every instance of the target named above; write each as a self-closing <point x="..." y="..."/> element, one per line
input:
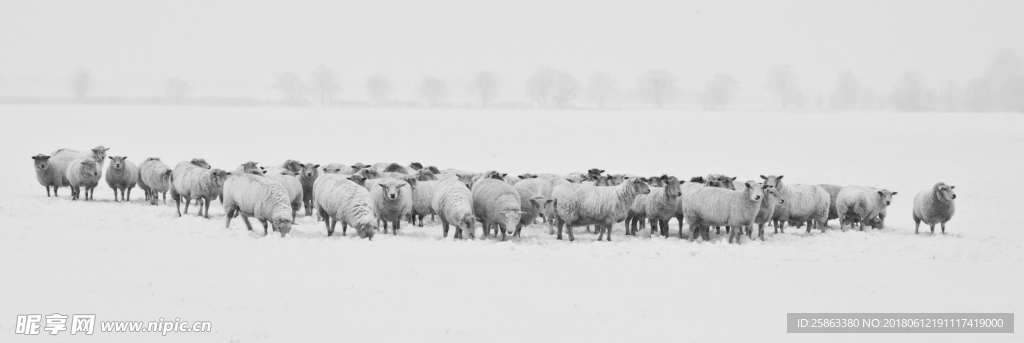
<point x="293" y="90"/>
<point x="378" y="87"/>
<point x="909" y="93"/>
<point x="176" y="89"/>
<point x="82" y="83"/>
<point x="601" y="88"/>
<point x="719" y="92"/>
<point x="549" y="87"/>
<point x="433" y="90"/>
<point x="325" y="84"/>
<point x="657" y="86"/>
<point x="782" y="81"/>
<point x="849" y="93"/>
<point x="484" y="87"/>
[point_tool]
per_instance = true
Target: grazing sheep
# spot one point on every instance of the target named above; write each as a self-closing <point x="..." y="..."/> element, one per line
<point x="122" y="175"/>
<point x="338" y="198"/>
<point x="534" y="194"/>
<point x="191" y="181"/>
<point x="934" y="205"/>
<point x="833" y="193"/>
<point x="578" y="204"/>
<point x="718" y="206"/>
<point x="259" y="197"/>
<point x="291" y="184"/>
<point x="391" y="199"/>
<point x="61" y="158"/>
<point x="662" y="204"/>
<point x="47" y="174"/>
<point x="802" y="203"/>
<point x="496" y="204"/>
<point x="422" y="197"/>
<point x="858" y="205"/>
<point x="453" y="203"/>
<point x="308" y="175"/>
<point x="83" y="173"/>
<point x="154" y="179"/>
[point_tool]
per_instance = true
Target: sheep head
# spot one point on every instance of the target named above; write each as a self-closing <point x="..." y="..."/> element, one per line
<point x="366" y="230"/>
<point x="754" y="192"/>
<point x="292" y="166"/>
<point x="117" y="162"/>
<point x="416" y="166"/>
<point x="671" y="184"/>
<point x="41" y="161"/>
<point x="885" y="196"/>
<point x="309" y="171"/>
<point x="391" y="190"/>
<point x="944" y="192"/>
<point x="252" y="168"/>
<point x="282" y="225"/>
<point x="772" y="182"/>
<point x="198" y="162"/>
<point x="638" y="186"/>
<point x="99" y="153"/>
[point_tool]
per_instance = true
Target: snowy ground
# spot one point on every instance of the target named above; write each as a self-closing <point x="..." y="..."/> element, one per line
<point x="138" y="262"/>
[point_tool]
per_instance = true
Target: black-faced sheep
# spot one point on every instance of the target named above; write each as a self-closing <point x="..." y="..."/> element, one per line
<point x="858" y="205"/>
<point x="47" y="174"/>
<point x="579" y="204"/>
<point x="716" y="206"/>
<point x="257" y="196"/>
<point x="802" y="203"/>
<point x="337" y="198"/>
<point x="934" y="206"/>
<point x="83" y="173"/>
<point x="453" y="203"/>
<point x="496" y="204"/>
<point x="122" y="175"/>
<point x="190" y="181"/>
<point x="155" y="179"/>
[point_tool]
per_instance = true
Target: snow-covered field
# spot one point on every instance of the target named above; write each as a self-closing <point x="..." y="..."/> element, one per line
<point x="139" y="262"/>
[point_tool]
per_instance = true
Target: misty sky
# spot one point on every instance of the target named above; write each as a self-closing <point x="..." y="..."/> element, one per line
<point x="239" y="43"/>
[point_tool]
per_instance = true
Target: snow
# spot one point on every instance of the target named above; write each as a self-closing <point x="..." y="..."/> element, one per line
<point x="139" y="262"/>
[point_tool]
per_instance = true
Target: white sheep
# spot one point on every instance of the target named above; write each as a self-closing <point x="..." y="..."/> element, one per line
<point x="82" y="173"/>
<point x="662" y="204"/>
<point x="833" y="193"/>
<point x="61" y="158"/>
<point x="308" y="175"/>
<point x="338" y="198"/>
<point x="338" y="168"/>
<point x="293" y="166"/>
<point x="260" y="197"/>
<point x="190" y="181"/>
<point x="534" y="193"/>
<point x="802" y="203"/>
<point x="717" y="206"/>
<point x="859" y="205"/>
<point x="772" y="200"/>
<point x="155" y="179"/>
<point x="291" y="184"/>
<point x="453" y="203"/>
<point x="391" y="199"/>
<point x="496" y="204"/>
<point x="578" y="204"/>
<point x="422" y="197"/>
<point x="934" y="206"/>
<point x="122" y="175"/>
<point x="47" y="174"/>
<point x="636" y="216"/>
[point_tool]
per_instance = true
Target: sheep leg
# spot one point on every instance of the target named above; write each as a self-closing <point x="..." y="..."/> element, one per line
<point x="571" y="236"/>
<point x="188" y="201"/>
<point x="917" y="225"/>
<point x="344" y="227"/>
<point x="444" y="228"/>
<point x="707" y="233"/>
<point x="718" y="230"/>
<point x="264" y="223"/>
<point x="933" y="228"/>
<point x="608" y="232"/>
<point x="559" y="231"/>
<point x="330" y="223"/>
<point x="503" y="229"/>
<point x="397" y="224"/>
<point x="760" y="231"/>
<point x="47" y="191"/>
<point x="129" y="196"/>
<point x="245" y="219"/>
<point x="228" y="213"/>
<point x="943" y="224"/>
<point x="115" y="194"/>
<point x="206" y="209"/>
<point x="694" y="229"/>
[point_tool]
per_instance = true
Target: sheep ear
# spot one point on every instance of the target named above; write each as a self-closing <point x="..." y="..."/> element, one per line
<point x="733" y="178"/>
<point x="780" y="177"/>
<point x="748" y="185"/>
<point x="764" y="177"/>
<point x="951" y="187"/>
<point x="316" y="166"/>
<point x="893" y="193"/>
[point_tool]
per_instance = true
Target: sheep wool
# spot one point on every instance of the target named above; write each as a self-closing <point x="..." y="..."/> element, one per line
<point x="392" y="201"/>
<point x="122" y="175"/>
<point x="291" y="184"/>
<point x="422" y="197"/>
<point x="859" y="205"/>
<point x="337" y="198"/>
<point x="190" y="181"/>
<point x="155" y="179"/>
<point x="82" y="173"/>
<point x="717" y="206"/>
<point x="47" y="174"/>
<point x="259" y="197"/>
<point x="453" y="203"/>
<point x="802" y="203"/>
<point x="578" y="204"/>
<point x="934" y="206"/>
<point x="496" y="204"/>
<point x="63" y="157"/>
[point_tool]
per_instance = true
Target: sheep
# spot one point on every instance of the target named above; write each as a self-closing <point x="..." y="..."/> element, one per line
<point x="802" y="203"/>
<point x="858" y="205"/>
<point x="260" y="197"/>
<point x="425" y="175"/>
<point x="47" y="174"/>
<point x="61" y="158"/>
<point x="721" y="181"/>
<point x="308" y="176"/>
<point x="293" y="166"/>
<point x="934" y="205"/>
<point x="390" y="168"/>
<point x="338" y="168"/>
<point x="191" y="181"/>
<point x="391" y="199"/>
<point x="496" y="203"/>
<point x="154" y="179"/>
<point x="83" y="173"/>
<point x="198" y="162"/>
<point x="291" y="184"/>
<point x="453" y="203"/>
<point x="534" y="194"/>
<point x="251" y="168"/>
<point x="122" y="175"/>
<point x="833" y="193"/>
<point x="772" y="199"/>
<point x="719" y="206"/>
<point x="422" y="197"/>
<point x="662" y="204"/>
<point x="578" y="204"/>
<point x="416" y="166"/>
<point x="338" y="198"/>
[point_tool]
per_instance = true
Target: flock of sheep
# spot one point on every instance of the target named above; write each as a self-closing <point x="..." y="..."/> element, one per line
<point x="378" y="197"/>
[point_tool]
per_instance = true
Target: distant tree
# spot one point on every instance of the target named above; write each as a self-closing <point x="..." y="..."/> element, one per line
<point x="657" y="86"/>
<point x="433" y="90"/>
<point x="566" y="89"/>
<point x="378" y="87"/>
<point x="720" y="92"/>
<point x="176" y="89"/>
<point x="82" y="83"/>
<point x="1004" y="80"/>
<point x="909" y="93"/>
<point x="782" y="82"/>
<point x="849" y="93"/>
<point x="484" y="87"/>
<point x="601" y="88"/>
<point x="550" y="87"/>
<point x="325" y="84"/>
<point x="293" y="89"/>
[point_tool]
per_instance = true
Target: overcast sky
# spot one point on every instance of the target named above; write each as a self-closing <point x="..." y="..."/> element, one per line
<point x="243" y="42"/>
